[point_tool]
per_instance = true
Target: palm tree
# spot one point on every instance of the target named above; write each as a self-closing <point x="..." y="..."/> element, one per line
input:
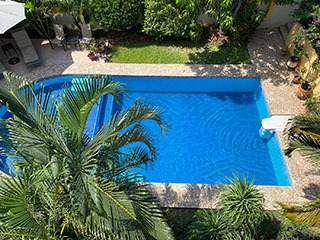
<point x="304" y="135"/>
<point x="68" y="185"/>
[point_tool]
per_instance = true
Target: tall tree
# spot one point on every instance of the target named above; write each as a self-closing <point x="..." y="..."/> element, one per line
<point x="69" y="185"/>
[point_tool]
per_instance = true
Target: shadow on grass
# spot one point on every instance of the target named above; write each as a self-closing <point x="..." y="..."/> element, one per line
<point x="224" y="55"/>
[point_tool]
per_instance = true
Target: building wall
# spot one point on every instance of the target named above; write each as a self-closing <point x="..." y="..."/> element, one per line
<point x="305" y="62"/>
<point x="279" y="15"/>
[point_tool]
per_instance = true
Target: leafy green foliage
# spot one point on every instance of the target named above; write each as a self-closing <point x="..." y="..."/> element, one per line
<point x="79" y="9"/>
<point x="38" y="17"/>
<point x="238" y="216"/>
<point x="117" y="14"/>
<point x="164" y="18"/>
<point x="246" y="22"/>
<point x="210" y="224"/>
<point x="239" y="18"/>
<point x="70" y="185"/>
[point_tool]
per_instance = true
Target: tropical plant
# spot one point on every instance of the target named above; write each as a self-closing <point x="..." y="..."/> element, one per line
<point x="242" y="204"/>
<point x="37" y="14"/>
<point x="210" y="224"/>
<point x="303" y="133"/>
<point x="238" y="215"/>
<point x="69" y="185"/>
<point x="237" y="17"/>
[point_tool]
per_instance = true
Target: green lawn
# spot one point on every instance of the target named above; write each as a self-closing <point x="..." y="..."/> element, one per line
<point x="178" y="52"/>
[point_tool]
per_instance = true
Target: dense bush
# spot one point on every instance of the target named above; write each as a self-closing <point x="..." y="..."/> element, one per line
<point x="164" y="18"/>
<point x="117" y="14"/>
<point x="246" y="22"/>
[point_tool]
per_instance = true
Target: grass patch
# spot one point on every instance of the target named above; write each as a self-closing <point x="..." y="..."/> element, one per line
<point x="178" y="51"/>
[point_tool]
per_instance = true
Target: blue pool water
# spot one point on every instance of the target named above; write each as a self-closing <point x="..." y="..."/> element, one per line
<point x="213" y="129"/>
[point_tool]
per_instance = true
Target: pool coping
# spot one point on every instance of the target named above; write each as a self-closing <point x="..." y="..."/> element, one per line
<point x="268" y="64"/>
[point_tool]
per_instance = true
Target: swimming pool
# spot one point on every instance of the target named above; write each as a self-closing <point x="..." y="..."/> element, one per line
<point x="214" y="128"/>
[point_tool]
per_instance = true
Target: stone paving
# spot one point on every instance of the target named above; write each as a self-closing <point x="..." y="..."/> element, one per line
<point x="268" y="63"/>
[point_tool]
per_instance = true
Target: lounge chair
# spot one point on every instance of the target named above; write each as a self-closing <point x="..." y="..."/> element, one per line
<point x="25" y="45"/>
<point x="2" y="68"/>
<point x="59" y="36"/>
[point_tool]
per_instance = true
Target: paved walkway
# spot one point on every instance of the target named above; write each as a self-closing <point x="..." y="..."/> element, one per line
<point x="268" y="64"/>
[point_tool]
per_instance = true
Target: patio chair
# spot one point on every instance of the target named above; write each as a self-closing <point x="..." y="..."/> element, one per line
<point x="86" y="33"/>
<point x="2" y="68"/>
<point x="59" y="36"/>
<point x="26" y="47"/>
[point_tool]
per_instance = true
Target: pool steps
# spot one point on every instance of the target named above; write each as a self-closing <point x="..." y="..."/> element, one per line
<point x="105" y="110"/>
<point x="274" y="123"/>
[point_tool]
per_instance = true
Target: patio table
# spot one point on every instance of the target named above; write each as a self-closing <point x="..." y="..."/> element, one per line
<point x="9" y="51"/>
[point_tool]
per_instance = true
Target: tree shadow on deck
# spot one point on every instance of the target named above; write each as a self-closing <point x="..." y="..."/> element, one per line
<point x="185" y="195"/>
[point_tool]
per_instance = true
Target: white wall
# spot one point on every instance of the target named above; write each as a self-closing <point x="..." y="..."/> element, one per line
<point x="280" y="15"/>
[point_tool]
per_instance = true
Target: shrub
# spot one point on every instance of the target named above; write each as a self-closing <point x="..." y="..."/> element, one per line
<point x="242" y="204"/>
<point x="209" y="224"/>
<point x="238" y="216"/>
<point x="117" y="14"/>
<point x="163" y="18"/>
<point x="246" y="22"/>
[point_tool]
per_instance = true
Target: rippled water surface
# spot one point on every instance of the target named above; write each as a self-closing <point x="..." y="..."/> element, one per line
<point x="211" y="136"/>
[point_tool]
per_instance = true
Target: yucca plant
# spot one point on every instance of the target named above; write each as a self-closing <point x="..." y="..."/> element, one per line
<point x="67" y="184"/>
<point x="242" y="203"/>
<point x="238" y="215"/>
<point x="211" y="225"/>
<point x="303" y="133"/>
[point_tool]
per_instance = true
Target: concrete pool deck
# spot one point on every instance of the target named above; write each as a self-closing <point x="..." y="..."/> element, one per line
<point x="268" y="64"/>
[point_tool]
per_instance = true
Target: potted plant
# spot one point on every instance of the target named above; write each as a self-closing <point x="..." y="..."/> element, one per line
<point x="95" y="47"/>
<point x="295" y="59"/>
<point x="92" y="56"/>
<point x="91" y="46"/>
<point x="100" y="45"/>
<point x="305" y="89"/>
<point x="298" y="76"/>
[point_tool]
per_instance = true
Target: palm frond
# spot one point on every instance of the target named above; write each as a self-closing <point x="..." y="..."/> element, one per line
<point x="304" y="135"/>
<point x="15" y="107"/>
<point x="78" y="101"/>
<point x="12" y="234"/>
<point x="308" y="213"/>
<point x="139" y="112"/>
<point x="16" y="82"/>
<point x="138" y="216"/>
<point x="15" y="196"/>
